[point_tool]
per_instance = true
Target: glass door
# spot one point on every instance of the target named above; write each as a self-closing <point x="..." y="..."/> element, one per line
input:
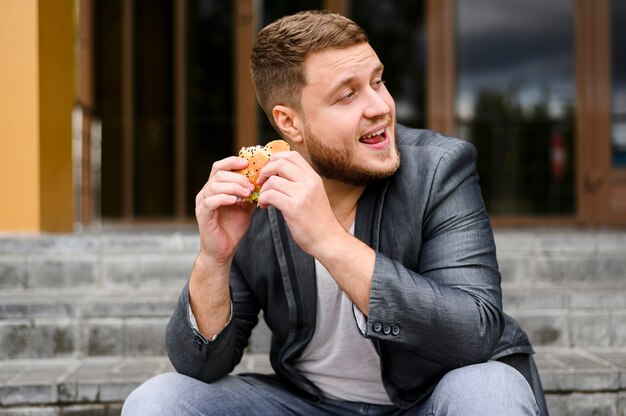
<point x="618" y="78"/>
<point x="614" y="207"/>
<point x="163" y="87"/>
<point x="514" y="99"/>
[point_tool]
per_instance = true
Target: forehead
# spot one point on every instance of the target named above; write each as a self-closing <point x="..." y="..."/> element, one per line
<point x="326" y="67"/>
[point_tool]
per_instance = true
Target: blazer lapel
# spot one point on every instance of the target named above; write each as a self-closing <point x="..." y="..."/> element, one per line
<point x="297" y="270"/>
<point x="369" y="214"/>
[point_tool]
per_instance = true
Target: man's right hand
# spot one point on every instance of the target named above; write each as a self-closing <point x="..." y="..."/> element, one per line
<point x="222" y="221"/>
<point x="222" y="218"/>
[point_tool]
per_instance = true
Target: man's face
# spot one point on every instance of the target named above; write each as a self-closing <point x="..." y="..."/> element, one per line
<point x="349" y="116"/>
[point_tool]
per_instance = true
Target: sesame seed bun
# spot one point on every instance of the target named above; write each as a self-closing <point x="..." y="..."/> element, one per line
<point x="257" y="157"/>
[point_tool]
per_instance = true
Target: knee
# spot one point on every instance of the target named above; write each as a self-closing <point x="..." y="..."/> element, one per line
<point x="492" y="375"/>
<point x="487" y="387"/>
<point x="157" y="396"/>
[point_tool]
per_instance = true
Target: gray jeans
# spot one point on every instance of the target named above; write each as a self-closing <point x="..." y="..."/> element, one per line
<point x="485" y="389"/>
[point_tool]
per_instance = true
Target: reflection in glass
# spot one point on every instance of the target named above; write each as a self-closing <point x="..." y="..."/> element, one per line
<point x="515" y="101"/>
<point x="618" y="56"/>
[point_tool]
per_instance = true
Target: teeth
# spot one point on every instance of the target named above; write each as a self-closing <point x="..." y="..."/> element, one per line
<point x="378" y="133"/>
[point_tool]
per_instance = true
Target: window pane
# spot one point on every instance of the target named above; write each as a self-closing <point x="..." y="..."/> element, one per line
<point x="209" y="82"/>
<point x="153" y="174"/>
<point x="108" y="88"/>
<point x="515" y="101"/>
<point x="401" y="48"/>
<point x="618" y="41"/>
<point x="275" y="9"/>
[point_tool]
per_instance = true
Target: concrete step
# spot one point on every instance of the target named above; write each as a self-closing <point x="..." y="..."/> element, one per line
<point x="104" y="322"/>
<point x="84" y="386"/>
<point x="102" y="380"/>
<point x="131" y="261"/>
<point x="581" y="382"/>
<point x="583" y="315"/>
<point x="66" y="324"/>
<point x="115" y="261"/>
<point x="48" y="324"/>
<point x="576" y="381"/>
<point x="36" y="324"/>
<point x="532" y="257"/>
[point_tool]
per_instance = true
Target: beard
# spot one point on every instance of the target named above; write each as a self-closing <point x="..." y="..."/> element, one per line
<point x="338" y="164"/>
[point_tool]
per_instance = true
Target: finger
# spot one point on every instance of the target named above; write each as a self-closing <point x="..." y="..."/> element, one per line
<point x="219" y="168"/>
<point x="274" y="198"/>
<point x="228" y="188"/>
<point x="225" y="182"/>
<point x="279" y="184"/>
<point x="228" y="164"/>
<point x="229" y="177"/>
<point x="212" y="203"/>
<point x="294" y="157"/>
<point x="290" y="202"/>
<point x="290" y="168"/>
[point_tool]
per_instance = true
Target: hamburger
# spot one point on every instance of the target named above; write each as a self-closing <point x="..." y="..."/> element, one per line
<point x="257" y="157"/>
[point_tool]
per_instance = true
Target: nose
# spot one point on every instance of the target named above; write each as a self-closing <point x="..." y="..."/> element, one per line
<point x="378" y="103"/>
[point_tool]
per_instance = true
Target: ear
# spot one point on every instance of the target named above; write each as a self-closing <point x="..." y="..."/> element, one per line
<point x="288" y="122"/>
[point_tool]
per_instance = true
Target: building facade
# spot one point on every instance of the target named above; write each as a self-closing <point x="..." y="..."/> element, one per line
<point x="113" y="111"/>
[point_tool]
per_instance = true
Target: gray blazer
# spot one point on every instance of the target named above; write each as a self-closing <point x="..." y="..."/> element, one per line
<point x="435" y="302"/>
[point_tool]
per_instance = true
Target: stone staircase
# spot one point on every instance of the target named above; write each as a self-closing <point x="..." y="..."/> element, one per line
<point x="82" y="317"/>
<point x="567" y="289"/>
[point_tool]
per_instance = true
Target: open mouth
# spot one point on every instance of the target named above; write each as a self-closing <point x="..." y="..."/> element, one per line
<point x="374" y="138"/>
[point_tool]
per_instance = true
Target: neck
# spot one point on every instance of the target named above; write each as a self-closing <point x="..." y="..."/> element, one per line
<point x="343" y="200"/>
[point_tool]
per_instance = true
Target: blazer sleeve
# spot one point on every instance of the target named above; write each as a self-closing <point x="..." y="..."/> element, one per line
<point x="192" y="355"/>
<point x="449" y="310"/>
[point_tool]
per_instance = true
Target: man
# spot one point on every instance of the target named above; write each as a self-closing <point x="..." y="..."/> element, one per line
<point x="370" y="255"/>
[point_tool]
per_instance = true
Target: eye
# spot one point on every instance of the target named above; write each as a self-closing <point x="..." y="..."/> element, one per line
<point x="348" y="96"/>
<point x="378" y="83"/>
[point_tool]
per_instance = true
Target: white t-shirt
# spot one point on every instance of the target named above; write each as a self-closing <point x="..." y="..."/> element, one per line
<point x="339" y="360"/>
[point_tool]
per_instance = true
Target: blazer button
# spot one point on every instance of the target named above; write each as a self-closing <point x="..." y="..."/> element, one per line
<point x="395" y="330"/>
<point x="386" y="329"/>
<point x="377" y="326"/>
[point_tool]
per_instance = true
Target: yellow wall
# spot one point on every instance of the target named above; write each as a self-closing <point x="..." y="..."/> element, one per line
<point x="36" y="75"/>
<point x="19" y="114"/>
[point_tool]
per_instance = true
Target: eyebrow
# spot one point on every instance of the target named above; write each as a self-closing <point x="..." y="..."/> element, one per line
<point x="349" y="79"/>
<point x="339" y="85"/>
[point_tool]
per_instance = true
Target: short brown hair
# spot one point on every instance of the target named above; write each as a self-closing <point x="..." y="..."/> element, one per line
<point x="278" y="55"/>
